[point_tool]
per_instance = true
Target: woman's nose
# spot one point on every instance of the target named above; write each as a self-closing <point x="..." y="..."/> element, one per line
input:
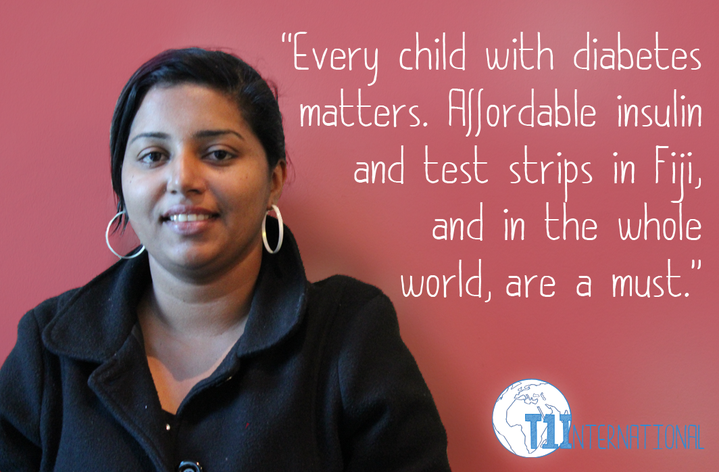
<point x="185" y="174"/>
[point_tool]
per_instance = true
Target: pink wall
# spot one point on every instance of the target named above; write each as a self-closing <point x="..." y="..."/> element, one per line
<point x="619" y="361"/>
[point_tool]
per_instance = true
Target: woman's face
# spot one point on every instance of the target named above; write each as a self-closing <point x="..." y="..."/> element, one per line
<point x="196" y="180"/>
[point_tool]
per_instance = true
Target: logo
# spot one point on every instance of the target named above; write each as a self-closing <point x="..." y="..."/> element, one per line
<point x="532" y="418"/>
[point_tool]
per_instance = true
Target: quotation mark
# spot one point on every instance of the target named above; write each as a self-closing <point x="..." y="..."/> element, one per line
<point x="696" y="264"/>
<point x="289" y="37"/>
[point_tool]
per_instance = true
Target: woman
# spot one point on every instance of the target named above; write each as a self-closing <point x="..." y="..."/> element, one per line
<point x="206" y="351"/>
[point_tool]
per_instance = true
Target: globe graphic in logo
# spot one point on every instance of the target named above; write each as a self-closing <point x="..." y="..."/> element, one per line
<point x="531" y="418"/>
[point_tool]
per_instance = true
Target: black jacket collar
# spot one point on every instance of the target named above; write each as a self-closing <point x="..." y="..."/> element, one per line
<point x="96" y="320"/>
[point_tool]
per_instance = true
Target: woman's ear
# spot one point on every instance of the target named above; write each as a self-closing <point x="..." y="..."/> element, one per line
<point x="277" y="182"/>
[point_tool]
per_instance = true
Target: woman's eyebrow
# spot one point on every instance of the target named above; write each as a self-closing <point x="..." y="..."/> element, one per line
<point x="150" y="135"/>
<point x="211" y="133"/>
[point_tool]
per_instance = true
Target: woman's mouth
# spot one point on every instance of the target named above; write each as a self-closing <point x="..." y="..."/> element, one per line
<point x="187" y="214"/>
<point x="189" y="221"/>
<point x="183" y="217"/>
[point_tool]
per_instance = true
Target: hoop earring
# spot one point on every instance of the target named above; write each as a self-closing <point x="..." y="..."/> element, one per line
<point x="281" y="227"/>
<point x="107" y="239"/>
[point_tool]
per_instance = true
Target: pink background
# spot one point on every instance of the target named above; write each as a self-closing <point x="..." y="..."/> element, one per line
<point x="618" y="361"/>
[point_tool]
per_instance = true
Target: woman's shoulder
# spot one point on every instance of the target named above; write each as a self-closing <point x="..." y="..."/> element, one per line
<point x="388" y="412"/>
<point x="347" y="297"/>
<point x="352" y="308"/>
<point x="43" y="313"/>
<point x="92" y="321"/>
<point x="119" y="279"/>
<point x="347" y="288"/>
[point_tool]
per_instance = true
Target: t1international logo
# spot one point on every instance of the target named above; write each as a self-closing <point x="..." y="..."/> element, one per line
<point x="532" y="418"/>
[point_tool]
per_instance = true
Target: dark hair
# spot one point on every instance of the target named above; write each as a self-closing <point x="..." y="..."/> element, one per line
<point x="226" y="73"/>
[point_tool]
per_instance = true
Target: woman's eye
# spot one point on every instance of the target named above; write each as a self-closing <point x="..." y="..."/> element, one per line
<point x="220" y="155"/>
<point x="152" y="157"/>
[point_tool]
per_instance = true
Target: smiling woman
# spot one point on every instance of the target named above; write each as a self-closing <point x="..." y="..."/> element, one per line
<point x="196" y="182"/>
<point x="206" y="352"/>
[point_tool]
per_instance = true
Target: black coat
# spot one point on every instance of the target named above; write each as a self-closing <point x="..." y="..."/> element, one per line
<point x="319" y="381"/>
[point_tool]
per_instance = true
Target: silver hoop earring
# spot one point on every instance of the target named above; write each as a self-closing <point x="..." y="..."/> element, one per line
<point x="107" y="239"/>
<point x="282" y="231"/>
